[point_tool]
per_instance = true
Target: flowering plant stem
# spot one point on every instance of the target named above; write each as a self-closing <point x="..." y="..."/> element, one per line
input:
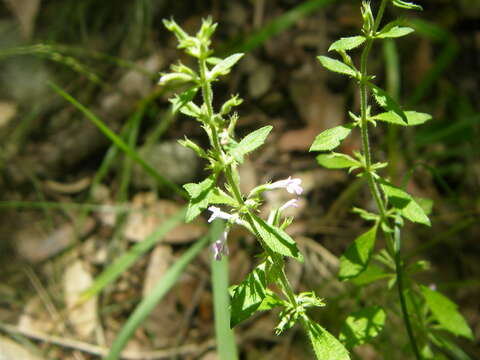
<point x="229" y="170"/>
<point x="393" y="243"/>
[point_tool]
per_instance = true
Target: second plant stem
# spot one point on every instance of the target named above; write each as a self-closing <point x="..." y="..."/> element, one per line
<point x="393" y="243"/>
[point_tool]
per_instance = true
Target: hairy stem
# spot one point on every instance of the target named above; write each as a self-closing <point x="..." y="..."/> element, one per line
<point x="228" y="169"/>
<point x="394" y="244"/>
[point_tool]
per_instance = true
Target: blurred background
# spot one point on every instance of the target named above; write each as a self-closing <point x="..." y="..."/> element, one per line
<point x="80" y="105"/>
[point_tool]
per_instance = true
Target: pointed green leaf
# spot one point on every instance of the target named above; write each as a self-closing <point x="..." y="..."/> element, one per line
<point x="362" y="326"/>
<point x="250" y="142"/>
<point x="248" y="295"/>
<point x="224" y="66"/>
<point x="336" y="66"/>
<point x="199" y="197"/>
<point x="371" y="274"/>
<point x="355" y="260"/>
<point x="347" y="43"/>
<point x="325" y="345"/>
<point x="336" y="161"/>
<point x="276" y="239"/>
<point x="445" y="343"/>
<point x="413" y="118"/>
<point x="404" y="202"/>
<point x="218" y="196"/>
<point x="387" y="102"/>
<point x="331" y="138"/>
<point x="270" y="301"/>
<point x="406" y="5"/>
<point x="394" y="32"/>
<point x="180" y="100"/>
<point x="446" y="313"/>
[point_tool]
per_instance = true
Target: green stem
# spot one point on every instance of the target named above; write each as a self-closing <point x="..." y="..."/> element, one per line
<point x="392" y="243"/>
<point x="208" y="99"/>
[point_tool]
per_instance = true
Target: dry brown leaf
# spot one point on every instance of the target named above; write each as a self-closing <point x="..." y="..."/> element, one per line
<point x="83" y="318"/>
<point x="158" y="264"/>
<point x="35" y="244"/>
<point x="25" y="11"/>
<point x="140" y="224"/>
<point x="10" y="350"/>
<point x="36" y="317"/>
<point x="7" y="112"/>
<point x="298" y="140"/>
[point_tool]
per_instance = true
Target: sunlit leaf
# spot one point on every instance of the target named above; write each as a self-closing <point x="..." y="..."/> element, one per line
<point x="276" y="239"/>
<point x="404" y="202"/>
<point x="199" y="197"/>
<point x="446" y="313"/>
<point x="336" y="66"/>
<point x="248" y="295"/>
<point x="413" y="118"/>
<point x="331" y="138"/>
<point x="358" y="254"/>
<point x="336" y="161"/>
<point x="250" y="142"/>
<point x="325" y="345"/>
<point x="394" y="32"/>
<point x="406" y="5"/>
<point x="362" y="326"/>
<point x="347" y="43"/>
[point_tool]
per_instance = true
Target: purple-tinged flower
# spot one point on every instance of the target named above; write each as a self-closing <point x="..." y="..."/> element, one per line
<point x="291" y="202"/>
<point x="217" y="213"/>
<point x="291" y="185"/>
<point x="220" y="247"/>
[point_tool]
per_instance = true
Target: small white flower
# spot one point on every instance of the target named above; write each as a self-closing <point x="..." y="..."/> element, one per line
<point x="217" y="213"/>
<point x="292" y="202"/>
<point x="224" y="137"/>
<point x="220" y="247"/>
<point x="291" y="185"/>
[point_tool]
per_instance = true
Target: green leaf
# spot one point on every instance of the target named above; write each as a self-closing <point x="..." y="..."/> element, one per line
<point x="406" y="5"/>
<point x="199" y="197"/>
<point x="331" y="138"/>
<point x="445" y="343"/>
<point x="347" y="43"/>
<point x="325" y="345"/>
<point x="404" y="202"/>
<point x="276" y="239"/>
<point x="180" y="100"/>
<point x="336" y="161"/>
<point x="248" y="295"/>
<point x="224" y="66"/>
<point x="425" y="203"/>
<point x="250" y="142"/>
<point x="446" y="313"/>
<point x="336" y="66"/>
<point x="371" y="274"/>
<point x="394" y="32"/>
<point x="387" y="102"/>
<point x="218" y="196"/>
<point x="270" y="301"/>
<point x="355" y="260"/>
<point x="413" y="118"/>
<point x="362" y="326"/>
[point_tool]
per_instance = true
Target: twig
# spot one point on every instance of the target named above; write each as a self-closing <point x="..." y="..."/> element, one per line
<point x="103" y="351"/>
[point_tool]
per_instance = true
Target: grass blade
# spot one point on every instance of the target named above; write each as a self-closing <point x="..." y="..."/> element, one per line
<point x="126" y="260"/>
<point x="118" y="141"/>
<point x="145" y="307"/>
<point x="226" y="346"/>
<point x="278" y="25"/>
